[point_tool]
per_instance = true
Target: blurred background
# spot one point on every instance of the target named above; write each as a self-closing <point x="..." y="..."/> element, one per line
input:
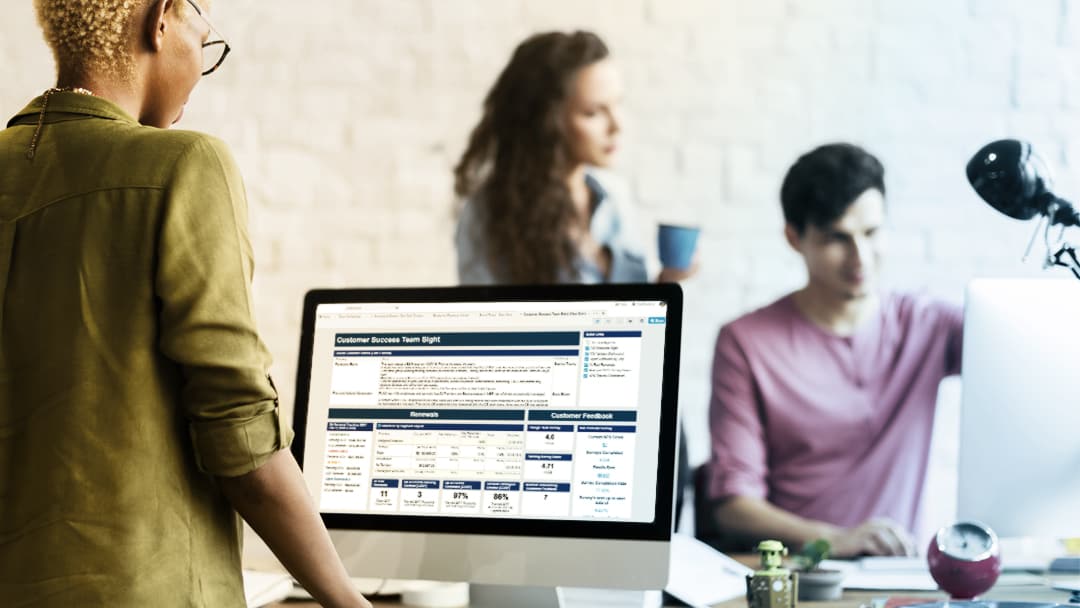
<point x="346" y="117"/>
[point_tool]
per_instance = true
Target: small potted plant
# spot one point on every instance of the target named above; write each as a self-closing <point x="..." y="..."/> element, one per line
<point x="816" y="583"/>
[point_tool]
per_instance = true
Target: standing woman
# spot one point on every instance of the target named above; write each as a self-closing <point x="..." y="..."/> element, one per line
<point x="537" y="205"/>
<point x="136" y="414"/>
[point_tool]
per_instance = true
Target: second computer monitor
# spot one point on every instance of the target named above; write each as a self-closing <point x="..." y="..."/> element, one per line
<point x="1019" y="462"/>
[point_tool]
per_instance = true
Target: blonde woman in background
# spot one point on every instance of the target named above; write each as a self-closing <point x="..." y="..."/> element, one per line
<point x="135" y="409"/>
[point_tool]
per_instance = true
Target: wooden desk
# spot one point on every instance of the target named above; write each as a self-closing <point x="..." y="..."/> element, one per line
<point x="850" y="599"/>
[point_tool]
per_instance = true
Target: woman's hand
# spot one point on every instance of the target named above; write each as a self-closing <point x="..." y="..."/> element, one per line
<point x="677" y="275"/>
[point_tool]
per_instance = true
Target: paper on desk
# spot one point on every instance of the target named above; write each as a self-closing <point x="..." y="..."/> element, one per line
<point x="609" y="598"/>
<point x="1068" y="585"/>
<point x="367" y="586"/>
<point x="702" y="576"/>
<point x="903" y="574"/>
<point x="894" y="564"/>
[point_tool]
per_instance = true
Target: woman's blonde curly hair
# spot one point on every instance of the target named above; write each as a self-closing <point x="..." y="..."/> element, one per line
<point x="91" y="36"/>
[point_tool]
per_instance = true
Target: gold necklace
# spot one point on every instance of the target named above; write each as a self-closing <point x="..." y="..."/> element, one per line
<point x="41" y="117"/>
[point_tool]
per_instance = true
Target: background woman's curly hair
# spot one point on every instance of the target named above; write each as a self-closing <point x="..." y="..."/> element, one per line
<point x="515" y="167"/>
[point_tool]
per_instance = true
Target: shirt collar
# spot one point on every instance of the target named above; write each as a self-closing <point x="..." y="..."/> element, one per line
<point x="599" y="193"/>
<point x="70" y="103"/>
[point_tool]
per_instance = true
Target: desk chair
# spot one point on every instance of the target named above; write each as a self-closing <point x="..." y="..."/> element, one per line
<point x="706" y="529"/>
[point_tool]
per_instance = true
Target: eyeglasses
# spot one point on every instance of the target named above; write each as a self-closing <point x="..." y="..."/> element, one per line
<point x="214" y="51"/>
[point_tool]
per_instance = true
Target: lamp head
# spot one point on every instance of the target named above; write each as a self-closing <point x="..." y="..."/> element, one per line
<point x="1014" y="180"/>
<point x="1009" y="176"/>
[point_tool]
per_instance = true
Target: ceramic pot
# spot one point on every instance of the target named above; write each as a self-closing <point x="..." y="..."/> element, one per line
<point x="820" y="585"/>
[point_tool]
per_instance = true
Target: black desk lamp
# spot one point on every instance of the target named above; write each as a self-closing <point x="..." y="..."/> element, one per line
<point x="1014" y="180"/>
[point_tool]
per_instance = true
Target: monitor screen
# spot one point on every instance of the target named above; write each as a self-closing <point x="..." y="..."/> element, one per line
<point x="1019" y="458"/>
<point x="533" y="412"/>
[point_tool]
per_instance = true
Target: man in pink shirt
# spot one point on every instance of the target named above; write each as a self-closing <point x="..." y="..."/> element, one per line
<point x="823" y="401"/>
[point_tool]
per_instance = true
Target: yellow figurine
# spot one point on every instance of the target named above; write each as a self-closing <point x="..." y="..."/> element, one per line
<point x="773" y="586"/>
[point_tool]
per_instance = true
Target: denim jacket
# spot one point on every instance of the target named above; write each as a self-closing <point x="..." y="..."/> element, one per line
<point x="611" y="225"/>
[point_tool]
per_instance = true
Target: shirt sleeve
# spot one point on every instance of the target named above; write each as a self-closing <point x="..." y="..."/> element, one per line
<point x="642" y="240"/>
<point x="472" y="263"/>
<point x="638" y="236"/>
<point x="627" y="267"/>
<point x="203" y="282"/>
<point x="738" y="465"/>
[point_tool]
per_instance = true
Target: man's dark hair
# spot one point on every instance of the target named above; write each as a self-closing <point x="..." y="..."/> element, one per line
<point x="824" y="182"/>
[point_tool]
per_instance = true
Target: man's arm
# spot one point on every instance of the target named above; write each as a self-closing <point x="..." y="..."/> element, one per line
<point x="740" y="468"/>
<point x="275" y="502"/>
<point x="755" y="519"/>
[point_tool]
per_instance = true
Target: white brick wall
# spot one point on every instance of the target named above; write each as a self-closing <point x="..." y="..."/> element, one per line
<point x="347" y="115"/>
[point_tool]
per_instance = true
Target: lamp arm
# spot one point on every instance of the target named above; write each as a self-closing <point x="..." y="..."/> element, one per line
<point x="1067" y="257"/>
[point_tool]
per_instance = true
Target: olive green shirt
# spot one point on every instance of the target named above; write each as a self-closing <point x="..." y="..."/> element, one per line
<point x="131" y="372"/>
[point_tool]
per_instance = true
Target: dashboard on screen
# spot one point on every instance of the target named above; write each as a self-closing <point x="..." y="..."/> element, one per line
<point x="486" y="410"/>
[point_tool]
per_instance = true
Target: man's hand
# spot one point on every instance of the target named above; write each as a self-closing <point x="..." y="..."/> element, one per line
<point x="874" y="537"/>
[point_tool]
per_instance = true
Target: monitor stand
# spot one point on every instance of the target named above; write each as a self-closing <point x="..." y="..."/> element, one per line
<point x="492" y="596"/>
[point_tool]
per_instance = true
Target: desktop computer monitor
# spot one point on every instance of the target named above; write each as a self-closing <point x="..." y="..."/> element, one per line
<point x="1019" y="452"/>
<point x="496" y="435"/>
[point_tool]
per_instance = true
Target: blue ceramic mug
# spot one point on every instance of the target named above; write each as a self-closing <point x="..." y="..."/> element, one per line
<point x="677" y="245"/>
